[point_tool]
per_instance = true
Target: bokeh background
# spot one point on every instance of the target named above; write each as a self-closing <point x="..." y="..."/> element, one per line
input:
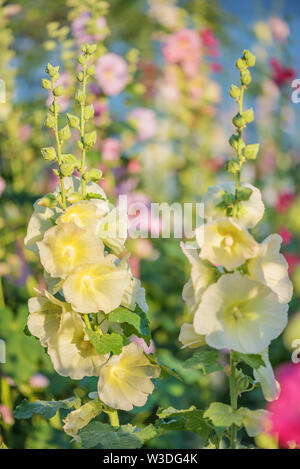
<point x="161" y="138"/>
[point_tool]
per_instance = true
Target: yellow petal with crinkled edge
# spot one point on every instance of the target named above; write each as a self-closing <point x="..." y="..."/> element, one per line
<point x="84" y="214"/>
<point x="79" y="418"/>
<point x="71" y="352"/>
<point x="224" y="242"/>
<point x="189" y="338"/>
<point x="125" y="380"/>
<point x="96" y="287"/>
<point x="66" y="246"/>
<point x="240" y="314"/>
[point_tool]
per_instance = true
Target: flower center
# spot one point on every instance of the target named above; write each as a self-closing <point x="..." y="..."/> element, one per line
<point x="236" y="312"/>
<point x="69" y="251"/>
<point x="87" y="281"/>
<point x="228" y="241"/>
<point x="117" y="372"/>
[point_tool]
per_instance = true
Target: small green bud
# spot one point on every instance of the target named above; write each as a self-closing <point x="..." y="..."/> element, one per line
<point x="52" y="107"/>
<point x="46" y="84"/>
<point x="246" y="77"/>
<point x="68" y="158"/>
<point x="58" y="91"/>
<point x="64" y="133"/>
<point x="74" y="197"/>
<point x="50" y="121"/>
<point x="52" y="71"/>
<point x="251" y="151"/>
<point x="249" y="58"/>
<point x="89" y="140"/>
<point x="236" y="142"/>
<point x="49" y="45"/>
<point x="49" y="153"/>
<point x="80" y="144"/>
<point x="248" y="115"/>
<point x="73" y="121"/>
<point x="234" y="91"/>
<point x="67" y="169"/>
<point x="91" y="70"/>
<point x="80" y="97"/>
<point x="91" y="49"/>
<point x="233" y="166"/>
<point x="239" y="121"/>
<point x="93" y="175"/>
<point x="82" y="59"/>
<point x="48" y="200"/>
<point x="241" y="64"/>
<point x="80" y="77"/>
<point x="89" y="112"/>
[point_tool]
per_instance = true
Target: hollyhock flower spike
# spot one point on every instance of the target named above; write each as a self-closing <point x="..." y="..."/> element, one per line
<point x="239" y="289"/>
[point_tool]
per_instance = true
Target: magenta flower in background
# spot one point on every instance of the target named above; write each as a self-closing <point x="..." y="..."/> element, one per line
<point x="79" y="28"/>
<point x="285" y="234"/>
<point x="184" y="47"/>
<point x="284" y="418"/>
<point x="111" y="149"/>
<point x="25" y="132"/>
<point x="281" y="75"/>
<point x="6" y="414"/>
<point x="279" y="28"/>
<point x="293" y="260"/>
<point x="284" y="202"/>
<point x="145" y="122"/>
<point x="210" y="42"/>
<point x="39" y="381"/>
<point x="112" y="74"/>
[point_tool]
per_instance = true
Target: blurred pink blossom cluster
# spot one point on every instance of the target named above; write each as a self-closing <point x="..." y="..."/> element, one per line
<point x="80" y="28"/>
<point x="145" y="122"/>
<point x="279" y="28"/>
<point x="184" y="47"/>
<point x="284" y="418"/>
<point x="112" y="74"/>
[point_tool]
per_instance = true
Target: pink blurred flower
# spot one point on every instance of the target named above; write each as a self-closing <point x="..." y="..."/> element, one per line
<point x="25" y="132"/>
<point x="285" y="234"/>
<point x="6" y="414"/>
<point x="134" y="263"/>
<point x="112" y="74"/>
<point x="11" y="10"/>
<point x="284" y="202"/>
<point x="293" y="260"/>
<point x="216" y="67"/>
<point x="184" y="47"/>
<point x="284" y="418"/>
<point x="2" y="185"/>
<point x="139" y="341"/>
<point x="80" y="30"/>
<point x="145" y="122"/>
<point x="281" y="75"/>
<point x="139" y="212"/>
<point x="279" y="28"/>
<point x="63" y="101"/>
<point x="210" y="41"/>
<point x="39" y="381"/>
<point x="100" y="109"/>
<point x="111" y="149"/>
<point x="134" y="166"/>
<point x="142" y="248"/>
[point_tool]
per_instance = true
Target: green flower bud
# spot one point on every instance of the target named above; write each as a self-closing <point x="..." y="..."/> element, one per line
<point x="82" y="59"/>
<point x="49" y="153"/>
<point x="234" y="91"/>
<point x="248" y="115"/>
<point x="241" y="64"/>
<point x="91" y="49"/>
<point x="58" y="91"/>
<point x="246" y="77"/>
<point x="50" y="121"/>
<point x="236" y="142"/>
<point x="250" y="58"/>
<point x="233" y="166"/>
<point x="64" y="133"/>
<point x="52" y="107"/>
<point x="74" y="197"/>
<point x="67" y="169"/>
<point x="68" y="158"/>
<point x="48" y="200"/>
<point x="52" y="71"/>
<point x="80" y="76"/>
<point x="80" y="97"/>
<point x="251" y="151"/>
<point x="73" y="121"/>
<point x="49" y="45"/>
<point x="46" y="84"/>
<point x="93" y="175"/>
<point x="239" y="121"/>
<point x="244" y="194"/>
<point x="89" y="112"/>
<point x="89" y="140"/>
<point x="91" y="70"/>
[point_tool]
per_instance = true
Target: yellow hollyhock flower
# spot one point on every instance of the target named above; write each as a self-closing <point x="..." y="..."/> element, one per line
<point x="125" y="380"/>
<point x="240" y="314"/>
<point x="271" y="268"/>
<point x="189" y="338"/>
<point x="226" y="243"/>
<point x="73" y="184"/>
<point x="66" y="246"/>
<point x="45" y="315"/>
<point x="83" y="214"/>
<point x="252" y="210"/>
<point x="97" y="286"/>
<point x="70" y="350"/>
<point x="202" y="275"/>
<point x="265" y="376"/>
<point x="79" y="418"/>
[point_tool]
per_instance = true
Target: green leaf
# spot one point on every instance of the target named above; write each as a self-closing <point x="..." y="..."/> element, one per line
<point x="223" y="416"/>
<point x="244" y="194"/>
<point x="254" y="361"/>
<point x="107" y="343"/>
<point x="205" y="360"/>
<point x="104" y="435"/>
<point x="250" y="151"/>
<point x="64" y="133"/>
<point x="68" y="158"/>
<point x="46" y="408"/>
<point x="191" y="419"/>
<point x="135" y="325"/>
<point x="49" y="153"/>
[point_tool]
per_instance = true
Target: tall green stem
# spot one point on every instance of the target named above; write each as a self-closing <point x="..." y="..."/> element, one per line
<point x="114" y="418"/>
<point x="233" y="400"/>
<point x="2" y="300"/>
<point x="240" y="135"/>
<point x="58" y="146"/>
<point x="82" y="130"/>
